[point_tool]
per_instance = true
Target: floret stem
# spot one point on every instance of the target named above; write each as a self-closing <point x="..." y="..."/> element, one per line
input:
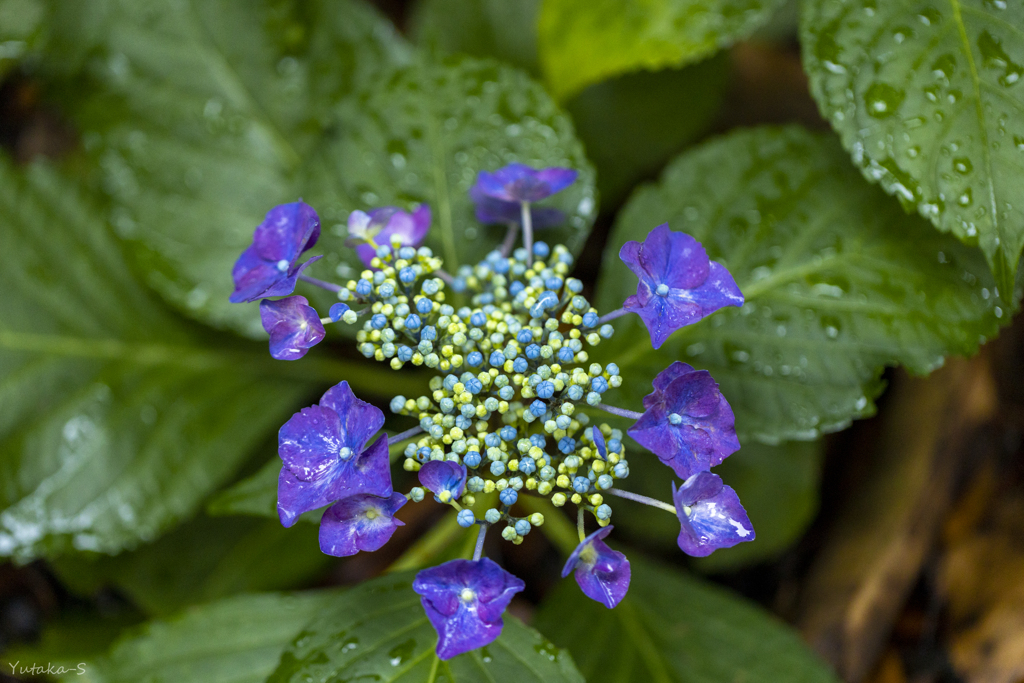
<point x="579" y="524"/>
<point x="329" y="286"/>
<point x="641" y="499"/>
<point x="478" y="551"/>
<point x="510" y="239"/>
<point x="444" y="275"/>
<point x="608" y="317"/>
<point x="527" y="232"/>
<point x="407" y="434"/>
<point x="621" y="412"/>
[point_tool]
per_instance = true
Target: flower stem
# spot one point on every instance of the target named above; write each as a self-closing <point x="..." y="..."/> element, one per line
<point x="479" y="550"/>
<point x="527" y="232"/>
<point x="510" y="239"/>
<point x="329" y="286"/>
<point x="621" y="412"/>
<point x="407" y="434"/>
<point x="642" y="499"/>
<point x="579" y="524"/>
<point x="618" y="313"/>
<point x="444" y="275"/>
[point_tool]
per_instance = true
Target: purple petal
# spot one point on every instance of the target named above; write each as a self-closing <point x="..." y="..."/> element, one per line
<point x="674" y="371"/>
<point x="309" y="443"/>
<point x="602" y="573"/>
<point x="662" y="315"/>
<point x="465" y="600"/>
<point x="359" y="420"/>
<point x="337" y="311"/>
<point x="254" y="277"/>
<point x="599" y="443"/>
<point x="287" y="231"/>
<point x="490" y="210"/>
<point x="388" y="222"/>
<point x="521" y="183"/>
<point x="714" y="519"/>
<point x="294" y="327"/>
<point x="717" y="291"/>
<point x="441" y="475"/>
<point x="557" y="179"/>
<point x="360" y="522"/>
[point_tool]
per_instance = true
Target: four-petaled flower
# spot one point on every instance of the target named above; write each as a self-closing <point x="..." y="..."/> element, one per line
<point x="446" y="479"/>
<point x="324" y="458"/>
<point x="490" y="210"/>
<point x="710" y="515"/>
<point x="293" y="325"/>
<point x="517" y="183"/>
<point x="383" y="225"/>
<point x="360" y="522"/>
<point x="688" y="423"/>
<point x="464" y="600"/>
<point x="678" y="286"/>
<point x="602" y="573"/>
<point x="268" y="266"/>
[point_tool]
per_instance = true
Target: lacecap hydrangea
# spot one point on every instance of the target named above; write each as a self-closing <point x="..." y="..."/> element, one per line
<point x="513" y="407"/>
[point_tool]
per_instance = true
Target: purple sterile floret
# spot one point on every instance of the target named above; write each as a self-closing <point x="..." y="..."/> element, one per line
<point x="360" y="522"/>
<point x="602" y="573"/>
<point x="441" y="476"/>
<point x="268" y="266"/>
<point x="464" y="600"/>
<point x="687" y="423"/>
<point x="710" y="515"/>
<point x="324" y="454"/>
<point x="491" y="210"/>
<point x="521" y="183"/>
<point x="386" y="223"/>
<point x="678" y="286"/>
<point x="293" y="325"/>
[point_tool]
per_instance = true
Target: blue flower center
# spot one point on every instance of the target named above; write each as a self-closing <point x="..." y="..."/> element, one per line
<point x="467" y="595"/>
<point x="662" y="290"/>
<point x="345" y="453"/>
<point x="282" y="265"/>
<point x="675" y="419"/>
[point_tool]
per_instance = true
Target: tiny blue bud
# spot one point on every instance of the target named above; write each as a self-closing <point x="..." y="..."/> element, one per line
<point x="612" y="369"/>
<point x="516" y="287"/>
<point x="407" y="275"/>
<point x="383" y="251"/>
<point x="473" y="385"/>
<point x="507" y="433"/>
<point x="397" y="404"/>
<point x="621" y="470"/>
<point x="567" y="445"/>
<point x="547" y="473"/>
<point x="537" y="440"/>
<point x="466" y="518"/>
<point x="337" y="310"/>
<point x="423" y="454"/>
<point x="386" y="290"/>
<point x="614" y="445"/>
<point x="527" y="465"/>
<point x="449" y="382"/>
<point x="475" y="358"/>
<point x="590" y="319"/>
<point x="604" y="482"/>
<point x="447" y="405"/>
<point x="545" y="390"/>
<point x="491" y="403"/>
<point x="463" y="421"/>
<point x="492" y="516"/>
<point x="606" y="331"/>
<point x="497" y="468"/>
<point x="492" y="440"/>
<point x="472" y="459"/>
<point x="458" y="284"/>
<point x="404" y="353"/>
<point x="429" y="287"/>
<point x="532" y="351"/>
<point x="508" y="496"/>
<point x="424" y="305"/>
<point x="413" y="322"/>
<point x="407" y="253"/>
<point x="563" y="421"/>
<point x="538" y="408"/>
<point x="581" y="484"/>
<point x="575" y="286"/>
<point x="474" y="484"/>
<point x="593" y="398"/>
<point x="525" y="336"/>
<point x="541" y="249"/>
<point x="478" y="319"/>
<point x="497" y="359"/>
<point x="553" y="282"/>
<point x="575" y="392"/>
<point x="523" y="527"/>
<point x="603" y="512"/>
<point x="520" y="365"/>
<point x="467" y="410"/>
<point x="416" y="494"/>
<point x="364" y="288"/>
<point x="378" y="322"/>
<point x="565" y="354"/>
<point x="599" y="384"/>
<point x="428" y="333"/>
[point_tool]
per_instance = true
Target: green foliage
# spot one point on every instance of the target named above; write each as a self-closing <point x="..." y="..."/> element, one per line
<point x="236" y="640"/>
<point x="423" y="133"/>
<point x="378" y="631"/>
<point x="204" y="559"/>
<point x="254" y="495"/>
<point x="926" y="97"/>
<point x="504" y="30"/>
<point x="116" y="420"/>
<point x="583" y="42"/>
<point x="672" y="628"/>
<point x="839" y="282"/>
<point x="777" y="484"/>
<point x="20" y="23"/>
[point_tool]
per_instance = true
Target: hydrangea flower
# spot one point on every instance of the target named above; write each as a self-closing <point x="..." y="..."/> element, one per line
<point x="293" y="325"/>
<point x="678" y="286"/>
<point x="710" y="515"/>
<point x="688" y="424"/>
<point x="464" y="600"/>
<point x="325" y="456"/>
<point x="602" y="573"/>
<point x="446" y="479"/>
<point x="520" y="183"/>
<point x="490" y="210"/>
<point x="268" y="266"/>
<point x="360" y="522"/>
<point x="383" y="224"/>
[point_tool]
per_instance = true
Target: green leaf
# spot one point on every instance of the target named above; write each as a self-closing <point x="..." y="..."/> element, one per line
<point x="202" y="560"/>
<point x="927" y="98"/>
<point x="236" y="640"/>
<point x="20" y="23"/>
<point x="200" y="115"/>
<point x="839" y="283"/>
<point x="672" y="628"/>
<point x="378" y="631"/>
<point x="115" y="419"/>
<point x="504" y="30"/>
<point x="778" y="486"/>
<point x="255" y="495"/>
<point x="582" y="43"/>
<point x="423" y="133"/>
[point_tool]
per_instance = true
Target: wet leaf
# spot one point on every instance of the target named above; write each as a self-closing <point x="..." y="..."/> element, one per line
<point x="20" y="23"/>
<point x="423" y="133"/>
<point x="378" y="631"/>
<point x="928" y="100"/>
<point x="674" y="628"/>
<point x="585" y="42"/>
<point x="839" y="283"/>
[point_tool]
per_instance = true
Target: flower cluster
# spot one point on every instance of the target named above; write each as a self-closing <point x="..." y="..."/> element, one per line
<point x="508" y="410"/>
